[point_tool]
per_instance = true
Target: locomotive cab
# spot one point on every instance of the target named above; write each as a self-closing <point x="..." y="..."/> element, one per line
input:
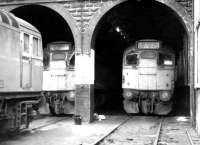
<point x="58" y="55"/>
<point x="148" y="78"/>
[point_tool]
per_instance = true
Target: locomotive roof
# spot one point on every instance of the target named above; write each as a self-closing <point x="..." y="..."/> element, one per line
<point x="8" y="19"/>
<point x="26" y="24"/>
<point x="13" y="21"/>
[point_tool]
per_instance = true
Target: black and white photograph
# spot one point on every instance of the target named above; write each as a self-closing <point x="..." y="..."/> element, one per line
<point x="99" y="72"/>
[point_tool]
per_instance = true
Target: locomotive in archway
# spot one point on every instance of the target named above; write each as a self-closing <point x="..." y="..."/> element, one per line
<point x="148" y="77"/>
<point x="59" y="78"/>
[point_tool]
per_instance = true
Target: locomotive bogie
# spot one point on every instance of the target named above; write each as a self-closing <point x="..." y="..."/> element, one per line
<point x="148" y="102"/>
<point x="164" y="96"/>
<point x="61" y="102"/>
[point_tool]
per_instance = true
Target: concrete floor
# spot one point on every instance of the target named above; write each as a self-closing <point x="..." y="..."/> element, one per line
<point x="63" y="131"/>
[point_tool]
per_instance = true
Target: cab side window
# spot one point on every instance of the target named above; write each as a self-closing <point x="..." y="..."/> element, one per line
<point x="37" y="48"/>
<point x="26" y="43"/>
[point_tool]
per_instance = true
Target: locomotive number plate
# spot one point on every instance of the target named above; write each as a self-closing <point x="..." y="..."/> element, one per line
<point x="148" y="45"/>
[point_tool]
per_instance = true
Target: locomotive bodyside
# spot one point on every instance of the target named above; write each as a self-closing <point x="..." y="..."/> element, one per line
<point x="148" y="78"/>
<point x="32" y="57"/>
<point x="59" y="78"/>
<point x="20" y="71"/>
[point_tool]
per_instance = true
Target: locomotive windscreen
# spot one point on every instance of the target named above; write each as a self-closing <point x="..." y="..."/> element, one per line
<point x="148" y="45"/>
<point x="165" y="59"/>
<point x="131" y="59"/>
<point x="148" y="55"/>
<point x="58" y="56"/>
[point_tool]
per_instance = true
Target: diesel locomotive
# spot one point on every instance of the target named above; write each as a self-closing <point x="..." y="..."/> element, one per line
<point x="148" y="78"/>
<point x="21" y="70"/>
<point x="59" y="78"/>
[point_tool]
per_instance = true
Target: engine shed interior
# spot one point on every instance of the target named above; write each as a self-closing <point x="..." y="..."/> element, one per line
<point x="121" y="27"/>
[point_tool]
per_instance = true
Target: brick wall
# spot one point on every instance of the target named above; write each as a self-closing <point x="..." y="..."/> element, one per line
<point x="83" y="10"/>
<point x="187" y="4"/>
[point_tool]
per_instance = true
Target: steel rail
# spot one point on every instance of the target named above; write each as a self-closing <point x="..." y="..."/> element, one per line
<point x="189" y="136"/>
<point x="158" y="132"/>
<point x="106" y="135"/>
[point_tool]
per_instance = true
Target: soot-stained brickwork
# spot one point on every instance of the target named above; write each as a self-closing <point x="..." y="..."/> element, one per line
<point x="83" y="11"/>
<point x="187" y="4"/>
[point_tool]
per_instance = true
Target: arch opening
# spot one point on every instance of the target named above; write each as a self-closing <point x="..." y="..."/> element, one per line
<point x="52" y="26"/>
<point x="121" y="27"/>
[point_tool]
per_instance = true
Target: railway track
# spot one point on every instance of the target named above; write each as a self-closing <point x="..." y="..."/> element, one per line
<point x="138" y="130"/>
<point x="142" y="130"/>
<point x="131" y="130"/>
<point x="158" y="132"/>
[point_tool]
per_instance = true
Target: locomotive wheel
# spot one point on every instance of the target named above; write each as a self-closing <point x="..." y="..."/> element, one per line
<point x="130" y="106"/>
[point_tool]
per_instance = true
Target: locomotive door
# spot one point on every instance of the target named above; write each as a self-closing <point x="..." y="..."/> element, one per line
<point x="26" y="62"/>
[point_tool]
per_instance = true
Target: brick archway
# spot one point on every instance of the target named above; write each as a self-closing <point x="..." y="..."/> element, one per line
<point x="61" y="10"/>
<point x="180" y="14"/>
<point x="179" y="10"/>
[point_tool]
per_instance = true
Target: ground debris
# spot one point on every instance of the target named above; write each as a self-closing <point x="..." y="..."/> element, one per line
<point x="99" y="117"/>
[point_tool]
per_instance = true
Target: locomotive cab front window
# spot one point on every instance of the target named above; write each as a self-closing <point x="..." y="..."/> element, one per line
<point x="165" y="59"/>
<point x="132" y="59"/>
<point x="58" y="56"/>
<point x="148" y="55"/>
